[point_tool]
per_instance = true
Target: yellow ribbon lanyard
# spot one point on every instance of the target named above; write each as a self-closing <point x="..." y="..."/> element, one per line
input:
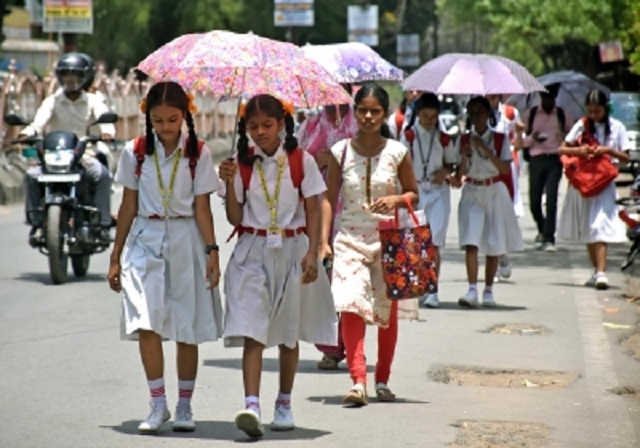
<point x="272" y="201"/>
<point x="166" y="195"/>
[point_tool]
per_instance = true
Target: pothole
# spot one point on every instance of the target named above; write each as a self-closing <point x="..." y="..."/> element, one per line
<point x="520" y="329"/>
<point x="509" y="378"/>
<point x="627" y="391"/>
<point x="632" y="345"/>
<point x="500" y="434"/>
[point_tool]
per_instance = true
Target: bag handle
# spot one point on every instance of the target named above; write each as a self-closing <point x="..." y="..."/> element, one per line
<point x="411" y="212"/>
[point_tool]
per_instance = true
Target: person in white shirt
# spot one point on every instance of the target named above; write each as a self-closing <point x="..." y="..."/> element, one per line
<point x="434" y="155"/>
<point x="594" y="220"/>
<point x="398" y="120"/>
<point x="70" y="109"/>
<point x="507" y="118"/>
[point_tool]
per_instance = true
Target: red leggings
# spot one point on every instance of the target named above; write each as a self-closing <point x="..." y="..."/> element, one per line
<point x="353" y="332"/>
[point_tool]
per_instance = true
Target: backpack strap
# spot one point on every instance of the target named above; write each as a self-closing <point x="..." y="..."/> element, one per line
<point x="139" y="150"/>
<point x="296" y="168"/>
<point x="245" y="174"/>
<point x="445" y="139"/>
<point x="532" y="116"/>
<point x="498" y="141"/>
<point x="561" y="119"/>
<point x="399" y="117"/>
<point x="410" y="136"/>
<point x="465" y="139"/>
<point x="193" y="160"/>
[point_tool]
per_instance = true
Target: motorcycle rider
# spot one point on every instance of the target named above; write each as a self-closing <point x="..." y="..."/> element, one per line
<point x="71" y="109"/>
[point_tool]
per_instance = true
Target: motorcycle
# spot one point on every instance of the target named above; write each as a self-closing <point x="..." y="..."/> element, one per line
<point x="630" y="205"/>
<point x="71" y="226"/>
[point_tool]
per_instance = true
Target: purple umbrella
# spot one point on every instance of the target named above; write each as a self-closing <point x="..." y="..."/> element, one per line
<point x="353" y="62"/>
<point x="472" y="74"/>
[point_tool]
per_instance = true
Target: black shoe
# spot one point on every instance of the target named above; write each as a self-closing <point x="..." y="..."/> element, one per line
<point x="105" y="236"/>
<point x="35" y="236"/>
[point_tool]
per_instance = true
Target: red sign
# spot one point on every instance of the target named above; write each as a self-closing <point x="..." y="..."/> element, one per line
<point x="611" y="51"/>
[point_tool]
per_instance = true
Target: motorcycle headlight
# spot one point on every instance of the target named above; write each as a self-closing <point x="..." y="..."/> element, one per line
<point x="58" y="160"/>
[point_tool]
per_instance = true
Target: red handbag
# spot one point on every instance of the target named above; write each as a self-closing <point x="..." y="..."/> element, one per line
<point x="589" y="175"/>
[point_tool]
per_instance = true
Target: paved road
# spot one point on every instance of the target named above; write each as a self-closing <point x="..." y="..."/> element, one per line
<point x="67" y="381"/>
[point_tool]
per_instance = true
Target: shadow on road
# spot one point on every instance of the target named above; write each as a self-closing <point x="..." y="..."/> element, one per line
<point x="336" y="400"/>
<point x="216" y="430"/>
<point x="45" y="279"/>
<point x="455" y="307"/>
<point x="272" y="365"/>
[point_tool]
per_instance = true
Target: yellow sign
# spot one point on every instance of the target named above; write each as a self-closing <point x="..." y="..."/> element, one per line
<point x="68" y="12"/>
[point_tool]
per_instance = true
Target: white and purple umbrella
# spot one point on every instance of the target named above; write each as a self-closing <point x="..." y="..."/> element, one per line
<point x="353" y="62"/>
<point x="472" y="74"/>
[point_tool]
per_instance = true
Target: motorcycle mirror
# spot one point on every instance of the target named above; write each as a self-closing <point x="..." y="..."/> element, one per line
<point x="107" y="118"/>
<point x="15" y="120"/>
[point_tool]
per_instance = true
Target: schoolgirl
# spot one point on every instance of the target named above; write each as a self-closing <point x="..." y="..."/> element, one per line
<point x="486" y="220"/>
<point x="434" y="156"/>
<point x="165" y="250"/>
<point x="273" y="292"/>
<point x="369" y="168"/>
<point x="594" y="220"/>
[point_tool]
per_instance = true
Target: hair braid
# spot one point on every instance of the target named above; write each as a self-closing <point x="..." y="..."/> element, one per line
<point x="192" y="141"/>
<point x="150" y="143"/>
<point x="290" y="141"/>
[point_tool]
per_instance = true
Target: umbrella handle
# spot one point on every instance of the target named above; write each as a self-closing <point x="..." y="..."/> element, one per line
<point x="235" y="130"/>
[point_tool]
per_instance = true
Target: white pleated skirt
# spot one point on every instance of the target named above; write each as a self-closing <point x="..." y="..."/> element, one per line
<point x="591" y="220"/>
<point x="436" y="203"/>
<point x="266" y="300"/>
<point x="164" y="283"/>
<point x="486" y="219"/>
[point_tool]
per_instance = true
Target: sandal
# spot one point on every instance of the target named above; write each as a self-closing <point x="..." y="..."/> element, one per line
<point x="384" y="394"/>
<point x="328" y="362"/>
<point x="356" y="397"/>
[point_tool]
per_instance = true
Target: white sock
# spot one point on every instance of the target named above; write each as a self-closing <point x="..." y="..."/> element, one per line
<point x="252" y="402"/>
<point x="284" y="400"/>
<point x="473" y="286"/>
<point x="185" y="392"/>
<point x="156" y="390"/>
<point x="600" y="274"/>
<point x="488" y="288"/>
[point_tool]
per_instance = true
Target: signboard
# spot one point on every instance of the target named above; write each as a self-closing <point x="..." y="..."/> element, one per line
<point x="36" y="11"/>
<point x="611" y="51"/>
<point x="68" y="16"/>
<point x="293" y="13"/>
<point x="408" y="50"/>
<point x="362" y="24"/>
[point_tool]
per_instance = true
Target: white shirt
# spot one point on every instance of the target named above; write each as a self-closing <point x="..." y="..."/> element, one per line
<point x="423" y="153"/>
<point x="504" y="124"/>
<point x="479" y="167"/>
<point x="617" y="138"/>
<point x="149" y="195"/>
<point x="62" y="114"/>
<point x="291" y="213"/>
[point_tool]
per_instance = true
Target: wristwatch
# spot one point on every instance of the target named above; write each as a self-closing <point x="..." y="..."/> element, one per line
<point x="209" y="247"/>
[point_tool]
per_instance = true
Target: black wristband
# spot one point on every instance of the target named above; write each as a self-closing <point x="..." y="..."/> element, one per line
<point x="209" y="247"/>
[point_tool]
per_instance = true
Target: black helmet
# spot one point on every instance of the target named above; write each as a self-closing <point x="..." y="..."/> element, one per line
<point x="77" y="64"/>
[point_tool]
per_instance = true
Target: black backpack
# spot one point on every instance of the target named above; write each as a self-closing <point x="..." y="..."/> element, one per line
<point x="532" y="115"/>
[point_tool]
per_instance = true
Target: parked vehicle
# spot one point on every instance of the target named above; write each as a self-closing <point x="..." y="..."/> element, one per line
<point x="626" y="108"/>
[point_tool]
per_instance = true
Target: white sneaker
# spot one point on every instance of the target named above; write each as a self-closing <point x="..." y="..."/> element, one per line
<point x="159" y="415"/>
<point x="282" y="419"/>
<point x="504" y="269"/>
<point x="183" y="420"/>
<point x="249" y="422"/>
<point x="602" y="282"/>
<point x="488" y="300"/>
<point x="592" y="281"/>
<point x="470" y="299"/>
<point x="431" y="301"/>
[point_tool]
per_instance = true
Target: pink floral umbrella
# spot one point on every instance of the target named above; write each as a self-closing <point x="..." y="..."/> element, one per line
<point x="230" y="64"/>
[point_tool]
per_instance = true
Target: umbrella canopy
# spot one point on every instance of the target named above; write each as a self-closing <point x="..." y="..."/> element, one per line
<point x="574" y="87"/>
<point x="231" y="64"/>
<point x="353" y="62"/>
<point x="472" y="74"/>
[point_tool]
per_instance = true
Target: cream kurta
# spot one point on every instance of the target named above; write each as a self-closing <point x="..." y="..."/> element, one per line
<point x="358" y="284"/>
<point x="164" y="263"/>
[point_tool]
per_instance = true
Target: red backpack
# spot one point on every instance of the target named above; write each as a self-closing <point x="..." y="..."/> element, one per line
<point x="498" y="141"/>
<point x="140" y="150"/>
<point x="589" y="175"/>
<point x="399" y="119"/>
<point x="410" y="135"/>
<point x="296" y="168"/>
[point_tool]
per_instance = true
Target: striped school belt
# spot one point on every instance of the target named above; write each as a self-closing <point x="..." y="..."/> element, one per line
<point x="286" y="233"/>
<point x="484" y="182"/>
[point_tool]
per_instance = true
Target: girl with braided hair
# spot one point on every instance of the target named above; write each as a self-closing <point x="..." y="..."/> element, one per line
<point x="273" y="292"/>
<point x="165" y="257"/>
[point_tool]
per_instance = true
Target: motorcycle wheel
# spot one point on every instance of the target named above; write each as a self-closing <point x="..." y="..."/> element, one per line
<point x="58" y="259"/>
<point x="80" y="265"/>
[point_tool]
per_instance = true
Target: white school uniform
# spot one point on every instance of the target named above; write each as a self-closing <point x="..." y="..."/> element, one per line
<point x="486" y="218"/>
<point x="508" y="128"/>
<point x="428" y="156"/>
<point x="164" y="263"/>
<point x="264" y="296"/>
<point x="594" y="219"/>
